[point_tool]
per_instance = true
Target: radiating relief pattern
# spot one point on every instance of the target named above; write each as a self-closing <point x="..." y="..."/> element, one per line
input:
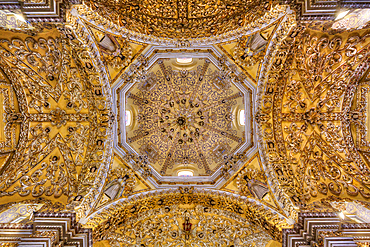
<point x="181" y="226"/>
<point x="174" y="19"/>
<point x="161" y="213"/>
<point x="312" y="115"/>
<point x="185" y="117"/>
<point x="62" y="114"/>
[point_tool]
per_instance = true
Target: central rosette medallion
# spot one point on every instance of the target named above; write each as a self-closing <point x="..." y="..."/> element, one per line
<point x="181" y="121"/>
<point x="185" y="119"/>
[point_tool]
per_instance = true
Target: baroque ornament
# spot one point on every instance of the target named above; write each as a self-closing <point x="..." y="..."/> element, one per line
<point x="98" y="13"/>
<point x="309" y="98"/>
<point x="58" y="82"/>
<point x="120" y="182"/>
<point x="177" y="19"/>
<point x="109" y="223"/>
<point x="61" y="115"/>
<point x="253" y="183"/>
<point x="232" y="163"/>
<point x="115" y="50"/>
<point x="139" y="162"/>
<point x="185" y="117"/>
<point x="179" y="225"/>
<point x="250" y="50"/>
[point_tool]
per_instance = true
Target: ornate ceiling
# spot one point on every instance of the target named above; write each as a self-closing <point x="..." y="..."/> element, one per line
<point x="99" y="114"/>
<point x="118" y="222"/>
<point x="180" y="19"/>
<point x="49" y="117"/>
<point x="318" y="116"/>
<point x="185" y="118"/>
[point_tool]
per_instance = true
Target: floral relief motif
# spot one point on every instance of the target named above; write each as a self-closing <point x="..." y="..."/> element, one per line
<point x="201" y="30"/>
<point x="183" y="119"/>
<point x="148" y="212"/>
<point x="196" y="18"/>
<point x="309" y="94"/>
<point x="64" y="117"/>
<point x="10" y="118"/>
<point x="59" y="129"/>
<point x="177" y="226"/>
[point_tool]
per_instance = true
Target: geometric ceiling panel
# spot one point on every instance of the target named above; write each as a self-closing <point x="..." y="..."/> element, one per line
<point x="308" y="10"/>
<point x="39" y="10"/>
<point x="186" y="116"/>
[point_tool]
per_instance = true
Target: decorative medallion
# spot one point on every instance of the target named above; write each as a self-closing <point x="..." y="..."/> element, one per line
<point x="185" y="118"/>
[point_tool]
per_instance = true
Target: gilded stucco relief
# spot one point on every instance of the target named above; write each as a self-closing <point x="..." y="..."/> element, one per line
<point x="207" y="227"/>
<point x="305" y="114"/>
<point x="109" y="223"/>
<point x="182" y="120"/>
<point x="62" y="131"/>
<point x="302" y="89"/>
<point x="180" y="19"/>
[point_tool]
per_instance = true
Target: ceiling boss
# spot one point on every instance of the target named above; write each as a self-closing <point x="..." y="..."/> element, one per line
<point x="185" y="118"/>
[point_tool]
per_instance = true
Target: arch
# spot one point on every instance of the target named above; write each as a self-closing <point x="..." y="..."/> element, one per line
<point x="295" y="137"/>
<point x="104" y="220"/>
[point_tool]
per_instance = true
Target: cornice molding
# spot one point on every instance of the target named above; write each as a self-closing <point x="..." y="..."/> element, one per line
<point x="40" y="11"/>
<point x="47" y="230"/>
<point x="318" y="10"/>
<point x="324" y="229"/>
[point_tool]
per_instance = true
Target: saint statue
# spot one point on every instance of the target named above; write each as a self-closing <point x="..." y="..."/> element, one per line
<point x="257" y="188"/>
<point x="116" y="187"/>
<point x="250" y="183"/>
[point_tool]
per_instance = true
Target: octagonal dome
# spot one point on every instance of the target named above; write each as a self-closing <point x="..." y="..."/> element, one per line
<point x="185" y="119"/>
<point x="186" y="115"/>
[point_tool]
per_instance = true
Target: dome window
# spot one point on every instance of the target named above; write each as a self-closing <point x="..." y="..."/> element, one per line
<point x="241" y="117"/>
<point x="128" y="118"/>
<point x="184" y="60"/>
<point x="185" y="173"/>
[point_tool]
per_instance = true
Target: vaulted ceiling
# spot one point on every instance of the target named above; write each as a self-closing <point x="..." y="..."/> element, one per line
<point x="269" y="111"/>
